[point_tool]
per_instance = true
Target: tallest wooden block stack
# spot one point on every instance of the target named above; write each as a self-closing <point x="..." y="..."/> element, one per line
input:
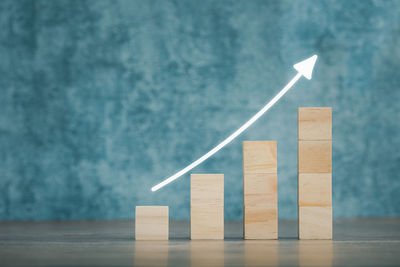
<point x="315" y="173"/>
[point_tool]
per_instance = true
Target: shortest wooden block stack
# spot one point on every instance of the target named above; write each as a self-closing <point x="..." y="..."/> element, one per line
<point x="315" y="173"/>
<point x="151" y="223"/>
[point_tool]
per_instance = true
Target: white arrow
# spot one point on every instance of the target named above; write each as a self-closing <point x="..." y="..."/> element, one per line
<point x="304" y="68"/>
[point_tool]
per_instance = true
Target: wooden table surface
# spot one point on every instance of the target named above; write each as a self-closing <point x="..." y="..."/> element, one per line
<point x="357" y="242"/>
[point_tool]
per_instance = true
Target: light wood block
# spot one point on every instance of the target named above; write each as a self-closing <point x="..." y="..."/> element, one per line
<point x="259" y="157"/>
<point x="315" y="156"/>
<point x="260" y="222"/>
<point x="151" y="223"/>
<point x="260" y="190"/>
<point x="207" y="206"/>
<point x="315" y="123"/>
<point x="315" y="222"/>
<point x="315" y="189"/>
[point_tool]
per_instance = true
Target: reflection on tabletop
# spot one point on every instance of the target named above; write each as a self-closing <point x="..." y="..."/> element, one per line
<point x="233" y="253"/>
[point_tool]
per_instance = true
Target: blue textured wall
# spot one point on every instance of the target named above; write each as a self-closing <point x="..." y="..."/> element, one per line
<point x="100" y="100"/>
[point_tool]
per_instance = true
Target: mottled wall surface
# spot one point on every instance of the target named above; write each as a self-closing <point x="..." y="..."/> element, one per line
<point x="100" y="100"/>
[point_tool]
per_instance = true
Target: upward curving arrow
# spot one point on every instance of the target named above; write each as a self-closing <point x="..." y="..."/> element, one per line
<point x="304" y="68"/>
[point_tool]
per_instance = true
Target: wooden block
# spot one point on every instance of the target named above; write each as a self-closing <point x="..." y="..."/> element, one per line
<point x="315" y="222"/>
<point x="206" y="190"/>
<point x="151" y="223"/>
<point x="259" y="157"/>
<point x="315" y="189"/>
<point x="315" y="156"/>
<point x="261" y="222"/>
<point x="260" y="218"/>
<point x="260" y="190"/>
<point x="315" y="123"/>
<point x="207" y="206"/>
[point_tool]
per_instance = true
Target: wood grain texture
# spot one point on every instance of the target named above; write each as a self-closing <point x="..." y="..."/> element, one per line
<point x="260" y="206"/>
<point x="315" y="222"/>
<point x="315" y="189"/>
<point x="260" y="190"/>
<point x="207" y="206"/>
<point x="259" y="157"/>
<point x="261" y="222"/>
<point x="151" y="223"/>
<point x="315" y="156"/>
<point x="315" y="173"/>
<point x="315" y="123"/>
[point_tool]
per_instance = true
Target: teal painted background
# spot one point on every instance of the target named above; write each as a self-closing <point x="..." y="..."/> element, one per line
<point x="100" y="100"/>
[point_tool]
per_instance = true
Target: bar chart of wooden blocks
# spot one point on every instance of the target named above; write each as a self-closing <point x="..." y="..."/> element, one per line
<point x="260" y="189"/>
<point x="315" y="173"/>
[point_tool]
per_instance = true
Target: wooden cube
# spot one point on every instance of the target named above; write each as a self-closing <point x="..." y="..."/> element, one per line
<point x="315" y="222"/>
<point x="151" y="223"/>
<point x="261" y="222"/>
<point x="259" y="157"/>
<point x="315" y="156"/>
<point x="315" y="189"/>
<point x="260" y="190"/>
<point x="315" y="123"/>
<point x="207" y="206"/>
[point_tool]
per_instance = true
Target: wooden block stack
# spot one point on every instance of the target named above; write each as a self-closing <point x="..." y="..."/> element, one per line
<point x="207" y="206"/>
<point x="151" y="223"/>
<point x="260" y="190"/>
<point x="315" y="173"/>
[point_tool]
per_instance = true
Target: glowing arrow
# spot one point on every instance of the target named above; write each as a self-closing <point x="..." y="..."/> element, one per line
<point x="304" y="68"/>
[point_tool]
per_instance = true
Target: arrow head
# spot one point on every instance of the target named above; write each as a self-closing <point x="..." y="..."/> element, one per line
<point x="306" y="66"/>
